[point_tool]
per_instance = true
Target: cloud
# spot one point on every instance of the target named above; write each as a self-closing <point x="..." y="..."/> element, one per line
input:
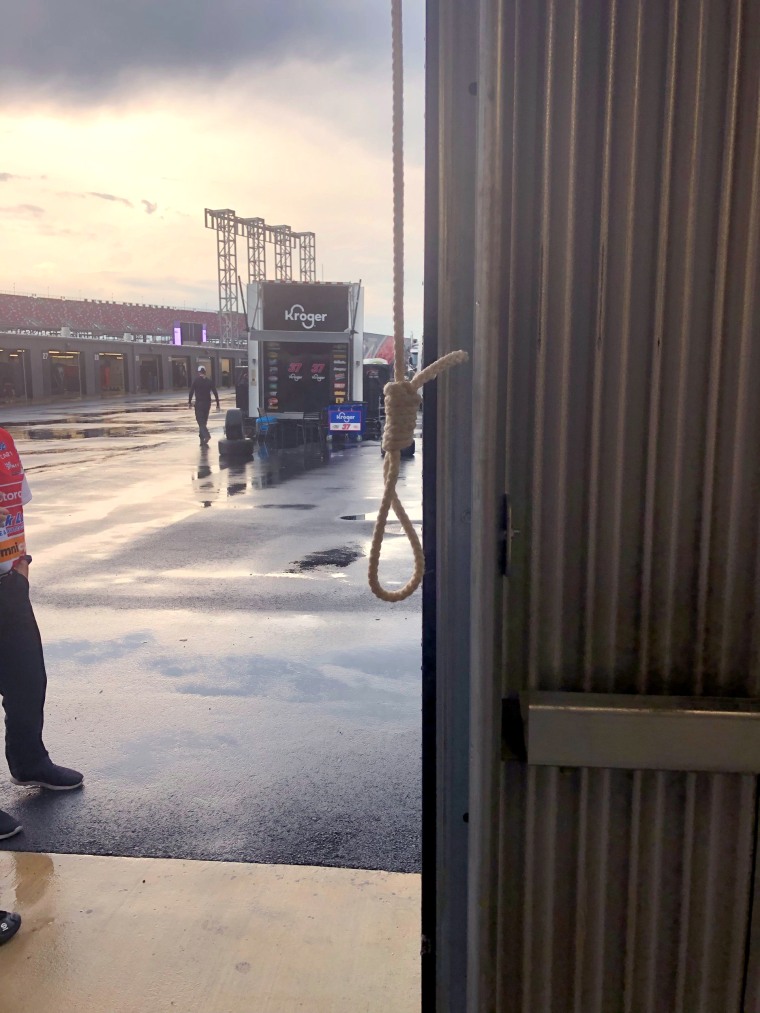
<point x="22" y="211"/>
<point x="150" y="208"/>
<point x="111" y="197"/>
<point x="100" y="196"/>
<point x="83" y="49"/>
<point x="55" y="232"/>
<point x="5" y="177"/>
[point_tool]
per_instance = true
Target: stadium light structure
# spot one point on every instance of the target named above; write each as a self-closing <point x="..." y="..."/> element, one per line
<point x="257" y="234"/>
<point x="254" y="230"/>
<point x="308" y="254"/>
<point x="283" y="252"/>
<point x="224" y="222"/>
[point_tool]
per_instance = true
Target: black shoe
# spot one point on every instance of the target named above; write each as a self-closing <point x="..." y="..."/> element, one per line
<point x="8" y="826"/>
<point x="52" y="777"/>
<point x="9" y="925"/>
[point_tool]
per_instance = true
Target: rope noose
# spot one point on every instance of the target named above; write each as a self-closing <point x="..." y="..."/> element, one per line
<point x="402" y="399"/>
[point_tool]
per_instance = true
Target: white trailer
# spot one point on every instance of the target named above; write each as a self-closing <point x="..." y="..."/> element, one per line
<point x="305" y="347"/>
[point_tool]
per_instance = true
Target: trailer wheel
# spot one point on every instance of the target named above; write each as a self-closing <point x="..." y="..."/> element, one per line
<point x="236" y="448"/>
<point x="233" y="424"/>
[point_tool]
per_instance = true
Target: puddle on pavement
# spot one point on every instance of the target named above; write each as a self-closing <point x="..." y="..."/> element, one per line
<point x="339" y="558"/>
<point x="123" y="432"/>
<point x="85" y="424"/>
<point x="372" y="518"/>
<point x="286" y="506"/>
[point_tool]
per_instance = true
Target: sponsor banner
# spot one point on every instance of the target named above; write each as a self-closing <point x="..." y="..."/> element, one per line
<point x="305" y="307"/>
<point x="344" y="420"/>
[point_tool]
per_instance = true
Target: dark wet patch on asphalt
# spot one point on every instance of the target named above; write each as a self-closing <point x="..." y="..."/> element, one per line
<point x="340" y="558"/>
<point x="287" y="506"/>
<point x="370" y="517"/>
<point x="131" y="431"/>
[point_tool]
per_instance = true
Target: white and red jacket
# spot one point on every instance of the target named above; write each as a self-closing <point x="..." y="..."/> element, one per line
<point x="14" y="493"/>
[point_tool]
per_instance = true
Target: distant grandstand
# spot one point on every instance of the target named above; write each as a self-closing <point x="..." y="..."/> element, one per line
<point x="93" y="318"/>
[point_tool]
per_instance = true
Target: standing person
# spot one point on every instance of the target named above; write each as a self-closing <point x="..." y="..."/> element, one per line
<point x="23" y="680"/>
<point x="203" y="388"/>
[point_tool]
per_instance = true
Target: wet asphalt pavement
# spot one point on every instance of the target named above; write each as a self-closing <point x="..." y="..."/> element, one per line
<point x="217" y="666"/>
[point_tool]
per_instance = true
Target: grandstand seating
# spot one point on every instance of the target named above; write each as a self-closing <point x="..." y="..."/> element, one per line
<point x="85" y="317"/>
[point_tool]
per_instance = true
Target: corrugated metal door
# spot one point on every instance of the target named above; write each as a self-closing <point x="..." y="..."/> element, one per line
<point x="617" y="402"/>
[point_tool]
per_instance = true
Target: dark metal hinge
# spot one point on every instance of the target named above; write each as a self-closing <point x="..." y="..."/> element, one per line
<point x="503" y="540"/>
<point x="506" y="534"/>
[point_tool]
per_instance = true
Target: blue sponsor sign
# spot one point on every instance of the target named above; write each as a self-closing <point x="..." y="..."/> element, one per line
<point x="345" y="419"/>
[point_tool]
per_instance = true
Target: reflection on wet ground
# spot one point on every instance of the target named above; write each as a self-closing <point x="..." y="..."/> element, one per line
<point x="80" y="433"/>
<point x="215" y="480"/>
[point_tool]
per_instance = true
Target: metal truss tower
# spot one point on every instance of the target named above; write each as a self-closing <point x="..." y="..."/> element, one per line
<point x="307" y="248"/>
<point x="255" y="232"/>
<point x="283" y="252"/>
<point x="224" y="221"/>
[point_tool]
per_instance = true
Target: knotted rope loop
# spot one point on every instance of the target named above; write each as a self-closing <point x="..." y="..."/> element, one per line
<point x="402" y="402"/>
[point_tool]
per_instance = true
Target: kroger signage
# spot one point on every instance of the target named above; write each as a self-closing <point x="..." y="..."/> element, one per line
<point x="344" y="420"/>
<point x="305" y="308"/>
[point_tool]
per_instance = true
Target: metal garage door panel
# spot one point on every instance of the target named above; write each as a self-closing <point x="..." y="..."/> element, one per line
<point x="632" y="363"/>
<point x="633" y="347"/>
<point x="626" y="891"/>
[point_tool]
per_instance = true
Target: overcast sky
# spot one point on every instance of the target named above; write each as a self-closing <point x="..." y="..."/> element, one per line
<point x="122" y="119"/>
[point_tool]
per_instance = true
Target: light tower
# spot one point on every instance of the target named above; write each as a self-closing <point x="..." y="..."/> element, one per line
<point x="283" y="252"/>
<point x="307" y="248"/>
<point x="255" y="232"/>
<point x="224" y="221"/>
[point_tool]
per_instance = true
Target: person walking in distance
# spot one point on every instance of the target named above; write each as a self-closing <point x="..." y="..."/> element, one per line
<point x="23" y="679"/>
<point x="202" y="388"/>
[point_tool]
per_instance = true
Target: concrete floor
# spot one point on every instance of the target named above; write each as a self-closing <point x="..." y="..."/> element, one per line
<point x="137" y="935"/>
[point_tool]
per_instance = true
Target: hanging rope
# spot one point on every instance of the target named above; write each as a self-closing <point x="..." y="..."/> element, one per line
<point x="402" y="399"/>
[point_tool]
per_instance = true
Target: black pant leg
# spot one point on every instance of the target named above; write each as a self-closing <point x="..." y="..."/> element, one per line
<point x="23" y="680"/>
<point x="201" y="417"/>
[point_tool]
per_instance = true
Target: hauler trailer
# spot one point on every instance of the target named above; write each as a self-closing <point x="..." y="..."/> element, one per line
<point x="305" y="354"/>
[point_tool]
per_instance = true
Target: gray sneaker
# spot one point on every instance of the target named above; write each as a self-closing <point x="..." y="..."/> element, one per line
<point x="52" y="777"/>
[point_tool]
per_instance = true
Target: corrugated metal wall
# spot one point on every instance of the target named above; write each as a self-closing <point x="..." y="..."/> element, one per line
<point x="630" y="238"/>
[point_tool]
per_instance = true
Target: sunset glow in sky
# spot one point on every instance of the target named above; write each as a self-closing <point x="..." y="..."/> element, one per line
<point x="121" y="122"/>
